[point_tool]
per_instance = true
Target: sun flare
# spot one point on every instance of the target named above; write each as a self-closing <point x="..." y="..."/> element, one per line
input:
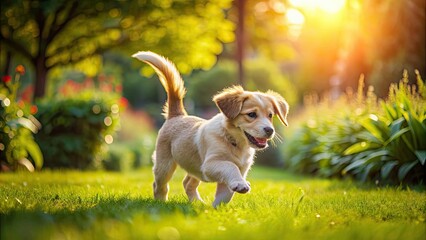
<point x="328" y="6"/>
<point x="294" y="17"/>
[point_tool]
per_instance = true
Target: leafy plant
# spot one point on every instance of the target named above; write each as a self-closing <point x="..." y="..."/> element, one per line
<point x="17" y="124"/>
<point x="359" y="137"/>
<point x="396" y="137"/>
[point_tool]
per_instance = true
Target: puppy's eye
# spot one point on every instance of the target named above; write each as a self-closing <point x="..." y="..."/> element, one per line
<point x="271" y="115"/>
<point x="252" y="114"/>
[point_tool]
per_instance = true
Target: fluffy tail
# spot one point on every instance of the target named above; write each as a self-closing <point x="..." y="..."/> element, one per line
<point x="171" y="81"/>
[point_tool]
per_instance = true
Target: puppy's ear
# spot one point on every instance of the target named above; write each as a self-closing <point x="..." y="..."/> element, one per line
<point x="280" y="105"/>
<point x="230" y="101"/>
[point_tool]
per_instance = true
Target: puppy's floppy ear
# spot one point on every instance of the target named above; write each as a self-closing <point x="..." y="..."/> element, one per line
<point x="230" y="101"/>
<point x="280" y="105"/>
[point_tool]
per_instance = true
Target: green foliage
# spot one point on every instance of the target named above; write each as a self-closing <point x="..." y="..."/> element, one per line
<point x="366" y="140"/>
<point x="130" y="155"/>
<point x="202" y="86"/>
<point x="119" y="158"/>
<point x="51" y="34"/>
<point x="17" y="126"/>
<point x="77" y="128"/>
<point x="87" y="205"/>
<point x="141" y="91"/>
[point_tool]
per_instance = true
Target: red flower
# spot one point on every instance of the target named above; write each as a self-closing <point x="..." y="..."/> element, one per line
<point x="33" y="109"/>
<point x="20" y="69"/>
<point x="123" y="102"/>
<point x="6" y="78"/>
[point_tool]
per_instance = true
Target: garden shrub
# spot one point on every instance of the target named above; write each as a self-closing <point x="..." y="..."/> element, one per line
<point x="17" y="126"/>
<point x="143" y="150"/>
<point x="119" y="158"/>
<point x="365" y="138"/>
<point x="77" y="128"/>
<point x="126" y="156"/>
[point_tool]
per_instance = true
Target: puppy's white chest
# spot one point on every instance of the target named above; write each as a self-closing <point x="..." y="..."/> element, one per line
<point x="245" y="160"/>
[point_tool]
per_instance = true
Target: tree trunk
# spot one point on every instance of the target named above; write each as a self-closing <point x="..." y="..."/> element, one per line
<point x="240" y="40"/>
<point x="40" y="81"/>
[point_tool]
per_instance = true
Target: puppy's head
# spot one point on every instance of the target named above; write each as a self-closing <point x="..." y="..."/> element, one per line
<point x="252" y="112"/>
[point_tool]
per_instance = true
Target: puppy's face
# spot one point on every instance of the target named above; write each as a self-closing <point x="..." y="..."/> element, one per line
<point x="252" y="112"/>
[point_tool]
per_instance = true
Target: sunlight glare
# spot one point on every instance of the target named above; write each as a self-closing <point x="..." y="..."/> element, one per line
<point x="331" y="6"/>
<point x="328" y="6"/>
<point x="294" y="17"/>
<point x="295" y="20"/>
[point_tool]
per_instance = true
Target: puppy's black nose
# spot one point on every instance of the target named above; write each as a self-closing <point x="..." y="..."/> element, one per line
<point x="269" y="131"/>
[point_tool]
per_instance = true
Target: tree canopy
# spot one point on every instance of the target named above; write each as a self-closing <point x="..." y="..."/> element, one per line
<point x="52" y="33"/>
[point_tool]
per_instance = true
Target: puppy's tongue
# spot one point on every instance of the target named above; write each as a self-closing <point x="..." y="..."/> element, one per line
<point x="261" y="141"/>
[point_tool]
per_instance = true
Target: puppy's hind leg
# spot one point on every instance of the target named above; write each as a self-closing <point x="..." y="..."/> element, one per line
<point x="164" y="167"/>
<point x="191" y="184"/>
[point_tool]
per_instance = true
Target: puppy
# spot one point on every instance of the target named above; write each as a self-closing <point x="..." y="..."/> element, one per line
<point x="220" y="149"/>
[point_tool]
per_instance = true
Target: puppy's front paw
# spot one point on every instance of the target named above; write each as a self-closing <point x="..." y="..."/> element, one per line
<point x="240" y="187"/>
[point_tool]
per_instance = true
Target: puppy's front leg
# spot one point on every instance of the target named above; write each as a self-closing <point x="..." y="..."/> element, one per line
<point x="225" y="172"/>
<point x="223" y="194"/>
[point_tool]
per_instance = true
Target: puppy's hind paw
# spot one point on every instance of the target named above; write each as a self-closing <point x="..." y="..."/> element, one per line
<point x="240" y="187"/>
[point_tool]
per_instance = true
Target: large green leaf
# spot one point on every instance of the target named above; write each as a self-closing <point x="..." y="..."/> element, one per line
<point x="396" y="125"/>
<point x="408" y="142"/>
<point x="321" y="156"/>
<point x="372" y="157"/>
<point x="419" y="132"/>
<point x="377" y="156"/>
<point x="35" y="153"/>
<point x="360" y="147"/>
<point x="421" y="155"/>
<point x="353" y="165"/>
<point x="387" y="168"/>
<point x="405" y="169"/>
<point x="376" y="127"/>
<point x="366" y="171"/>
<point x="368" y="137"/>
<point x="396" y="135"/>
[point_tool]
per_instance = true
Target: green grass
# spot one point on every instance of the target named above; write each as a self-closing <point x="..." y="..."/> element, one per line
<point x="100" y="205"/>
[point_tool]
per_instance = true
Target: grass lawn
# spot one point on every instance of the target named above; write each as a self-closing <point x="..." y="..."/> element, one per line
<point x="101" y="205"/>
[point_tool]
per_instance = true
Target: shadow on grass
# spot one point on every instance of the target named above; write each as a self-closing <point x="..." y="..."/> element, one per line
<point x="20" y="224"/>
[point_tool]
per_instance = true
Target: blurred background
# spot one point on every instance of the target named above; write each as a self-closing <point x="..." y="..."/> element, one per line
<point x="72" y="97"/>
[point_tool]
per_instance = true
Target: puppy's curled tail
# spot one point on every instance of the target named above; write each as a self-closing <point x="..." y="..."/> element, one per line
<point x="171" y="81"/>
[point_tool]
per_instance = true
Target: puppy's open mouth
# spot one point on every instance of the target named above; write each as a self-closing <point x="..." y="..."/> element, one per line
<point x="258" y="142"/>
